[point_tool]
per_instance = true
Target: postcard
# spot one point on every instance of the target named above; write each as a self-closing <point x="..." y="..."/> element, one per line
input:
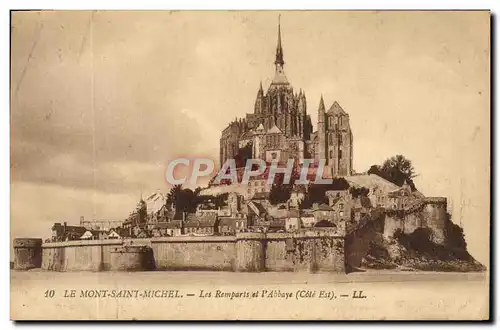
<point x="250" y="165"/>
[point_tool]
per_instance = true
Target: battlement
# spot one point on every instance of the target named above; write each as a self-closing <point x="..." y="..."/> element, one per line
<point x="247" y="252"/>
<point x="435" y="200"/>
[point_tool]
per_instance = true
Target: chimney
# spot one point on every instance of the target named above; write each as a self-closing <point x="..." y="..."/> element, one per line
<point x="82" y="219"/>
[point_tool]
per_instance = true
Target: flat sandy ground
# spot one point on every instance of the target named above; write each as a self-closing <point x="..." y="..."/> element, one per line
<point x="164" y="295"/>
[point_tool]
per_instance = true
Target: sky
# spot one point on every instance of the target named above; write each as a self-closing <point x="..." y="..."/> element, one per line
<point x="101" y="101"/>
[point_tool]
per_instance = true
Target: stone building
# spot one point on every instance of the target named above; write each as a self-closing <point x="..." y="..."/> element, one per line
<point x="232" y="225"/>
<point x="201" y="225"/>
<point x="64" y="232"/>
<point x="322" y="212"/>
<point x="280" y="127"/>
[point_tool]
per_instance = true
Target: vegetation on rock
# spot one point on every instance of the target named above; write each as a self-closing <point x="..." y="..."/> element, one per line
<point x="396" y="169"/>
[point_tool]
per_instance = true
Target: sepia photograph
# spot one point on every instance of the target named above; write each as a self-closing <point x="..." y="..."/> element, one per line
<point x="250" y="165"/>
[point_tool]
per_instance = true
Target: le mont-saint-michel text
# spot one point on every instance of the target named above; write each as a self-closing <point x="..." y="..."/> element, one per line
<point x="208" y="294"/>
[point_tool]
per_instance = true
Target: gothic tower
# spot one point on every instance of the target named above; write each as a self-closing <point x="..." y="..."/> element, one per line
<point x="259" y="100"/>
<point x="338" y="136"/>
<point x="321" y="130"/>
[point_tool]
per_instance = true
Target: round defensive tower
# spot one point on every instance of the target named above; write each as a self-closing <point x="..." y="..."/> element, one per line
<point x="27" y="253"/>
<point x="250" y="252"/>
<point x="434" y="213"/>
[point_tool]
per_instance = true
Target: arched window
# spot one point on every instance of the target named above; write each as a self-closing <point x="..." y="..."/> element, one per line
<point x="331" y="153"/>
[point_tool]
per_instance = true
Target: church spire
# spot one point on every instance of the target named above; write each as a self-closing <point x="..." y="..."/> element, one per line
<point x="279" y="75"/>
<point x="321" y="108"/>
<point x="279" y="49"/>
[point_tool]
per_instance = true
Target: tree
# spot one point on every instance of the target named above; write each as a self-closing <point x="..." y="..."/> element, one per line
<point x="173" y="195"/>
<point x="397" y="170"/>
<point x="374" y="169"/>
<point x="184" y="200"/>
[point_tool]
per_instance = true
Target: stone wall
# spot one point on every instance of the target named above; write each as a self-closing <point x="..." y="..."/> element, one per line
<point x="391" y="224"/>
<point x="314" y="250"/>
<point x="311" y="251"/>
<point x="434" y="213"/>
<point x="194" y="253"/>
<point x="78" y="255"/>
<point x="413" y="221"/>
<point x="27" y="253"/>
<point x="358" y="243"/>
<point x="431" y="215"/>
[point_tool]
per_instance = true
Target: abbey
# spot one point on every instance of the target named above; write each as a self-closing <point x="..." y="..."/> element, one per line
<point x="280" y="128"/>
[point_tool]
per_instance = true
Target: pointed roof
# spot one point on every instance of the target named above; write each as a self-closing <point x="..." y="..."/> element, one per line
<point x="321" y="104"/>
<point x="86" y="235"/>
<point x="279" y="76"/>
<point x="113" y="234"/>
<point x="274" y="130"/>
<point x="279" y="49"/>
<point x="260" y="127"/>
<point x="336" y="109"/>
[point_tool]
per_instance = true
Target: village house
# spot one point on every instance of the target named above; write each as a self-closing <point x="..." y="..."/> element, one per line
<point x="322" y="212"/>
<point x="100" y="234"/>
<point x="112" y="234"/>
<point x="63" y="232"/>
<point x="293" y="222"/>
<point x="401" y="197"/>
<point x="257" y="185"/>
<point x="201" y="225"/>
<point x="163" y="215"/>
<point x="307" y="218"/>
<point x="341" y="207"/>
<point x="268" y="224"/>
<point x="232" y="225"/>
<point x="87" y="235"/>
<point x="277" y="224"/>
<point x="171" y="228"/>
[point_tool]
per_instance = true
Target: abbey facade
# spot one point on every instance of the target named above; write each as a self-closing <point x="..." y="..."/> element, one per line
<point x="280" y="128"/>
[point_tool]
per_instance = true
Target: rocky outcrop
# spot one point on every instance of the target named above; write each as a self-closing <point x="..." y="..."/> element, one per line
<point x="368" y="248"/>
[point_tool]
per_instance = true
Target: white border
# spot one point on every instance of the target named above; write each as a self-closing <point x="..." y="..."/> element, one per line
<point x="186" y="4"/>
